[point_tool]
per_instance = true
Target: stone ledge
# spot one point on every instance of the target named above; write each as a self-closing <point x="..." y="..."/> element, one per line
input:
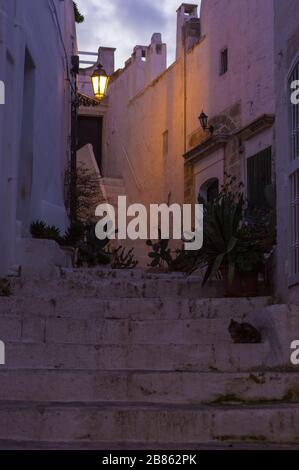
<point x="207" y="147"/>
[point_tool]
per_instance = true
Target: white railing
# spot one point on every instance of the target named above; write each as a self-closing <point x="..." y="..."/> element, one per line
<point x="136" y="180"/>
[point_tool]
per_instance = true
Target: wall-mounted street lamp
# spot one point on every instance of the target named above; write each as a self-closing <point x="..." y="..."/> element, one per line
<point x="100" y="82"/>
<point x="203" y="119"/>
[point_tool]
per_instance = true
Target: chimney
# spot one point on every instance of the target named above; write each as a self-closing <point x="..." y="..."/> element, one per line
<point x="191" y="32"/>
<point x="156" y="58"/>
<point x="185" y="13"/>
<point x="106" y="58"/>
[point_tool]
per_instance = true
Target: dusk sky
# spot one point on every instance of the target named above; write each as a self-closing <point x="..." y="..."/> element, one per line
<point x="126" y="23"/>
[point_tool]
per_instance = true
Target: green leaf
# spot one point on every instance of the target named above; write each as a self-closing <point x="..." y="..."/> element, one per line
<point x="213" y="268"/>
<point x="155" y="262"/>
<point x="231" y="272"/>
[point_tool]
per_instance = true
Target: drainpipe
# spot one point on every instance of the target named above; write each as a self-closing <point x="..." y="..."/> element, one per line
<point x="74" y="129"/>
<point x="185" y="90"/>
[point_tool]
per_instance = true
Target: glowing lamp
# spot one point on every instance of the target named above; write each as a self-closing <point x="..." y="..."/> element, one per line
<point x="100" y="82"/>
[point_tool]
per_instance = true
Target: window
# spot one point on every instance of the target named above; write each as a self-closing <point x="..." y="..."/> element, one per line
<point x="259" y="170"/>
<point x="159" y="48"/>
<point x="294" y="183"/>
<point x="223" y="61"/>
<point x="90" y="132"/>
<point x="294" y="180"/>
<point x="212" y="191"/>
<point x="294" y="120"/>
<point x="143" y="56"/>
<point x="165" y="143"/>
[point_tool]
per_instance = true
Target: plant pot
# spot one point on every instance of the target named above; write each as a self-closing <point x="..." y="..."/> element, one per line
<point x="244" y="284"/>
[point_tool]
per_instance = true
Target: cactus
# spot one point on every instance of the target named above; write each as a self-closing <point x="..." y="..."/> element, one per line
<point x="161" y="253"/>
<point x="182" y="261"/>
<point x="122" y="259"/>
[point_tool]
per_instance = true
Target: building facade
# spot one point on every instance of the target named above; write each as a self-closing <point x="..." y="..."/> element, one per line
<point x="287" y="147"/>
<point x="37" y="40"/>
<point x="152" y="140"/>
<point x="225" y="67"/>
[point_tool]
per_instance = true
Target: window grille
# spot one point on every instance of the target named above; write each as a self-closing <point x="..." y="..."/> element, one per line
<point x="295" y="222"/>
<point x="294" y="119"/>
<point x="223" y="61"/>
<point x="259" y="177"/>
<point x="294" y="178"/>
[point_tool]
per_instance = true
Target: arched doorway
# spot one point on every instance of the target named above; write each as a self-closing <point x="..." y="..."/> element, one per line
<point x="209" y="190"/>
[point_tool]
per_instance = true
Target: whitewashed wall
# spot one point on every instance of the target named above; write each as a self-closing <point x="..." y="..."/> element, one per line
<point x="35" y="121"/>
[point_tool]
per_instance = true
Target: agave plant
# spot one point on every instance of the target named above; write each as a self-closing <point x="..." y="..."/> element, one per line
<point x="91" y="250"/>
<point x="233" y="241"/>
<point x="222" y="223"/>
<point x="41" y="230"/>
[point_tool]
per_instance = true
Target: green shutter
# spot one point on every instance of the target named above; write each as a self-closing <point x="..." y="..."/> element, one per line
<point x="259" y="169"/>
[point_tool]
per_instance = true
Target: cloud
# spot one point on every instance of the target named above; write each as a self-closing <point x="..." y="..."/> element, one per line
<point x="125" y="23"/>
<point x="140" y="16"/>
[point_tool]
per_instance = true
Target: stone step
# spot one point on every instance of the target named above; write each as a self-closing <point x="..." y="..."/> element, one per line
<point x="118" y="288"/>
<point x="137" y="273"/>
<point x="75" y="306"/>
<point x="9" y="444"/>
<point x="148" y="386"/>
<point x="112" y="192"/>
<point x="112" y="182"/>
<point x="155" y="424"/>
<point x="224" y="357"/>
<point x="95" y="331"/>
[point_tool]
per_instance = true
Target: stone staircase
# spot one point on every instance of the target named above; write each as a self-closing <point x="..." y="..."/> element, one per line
<point x="111" y="189"/>
<point x="115" y="359"/>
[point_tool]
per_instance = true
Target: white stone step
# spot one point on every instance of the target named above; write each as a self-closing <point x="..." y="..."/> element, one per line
<point x="95" y="331"/>
<point x="108" y="273"/>
<point x="76" y="306"/>
<point x="224" y="357"/>
<point x="101" y="357"/>
<point x="112" y="181"/>
<point x="148" y="386"/>
<point x="118" y="288"/>
<point x="10" y="444"/>
<point x="131" y="423"/>
<point x="112" y="188"/>
<point x="109" y="284"/>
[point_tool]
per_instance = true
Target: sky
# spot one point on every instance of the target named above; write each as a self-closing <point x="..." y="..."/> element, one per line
<point x="125" y="23"/>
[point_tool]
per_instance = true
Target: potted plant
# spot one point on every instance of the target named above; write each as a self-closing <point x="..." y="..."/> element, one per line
<point x="235" y="243"/>
<point x="163" y="259"/>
